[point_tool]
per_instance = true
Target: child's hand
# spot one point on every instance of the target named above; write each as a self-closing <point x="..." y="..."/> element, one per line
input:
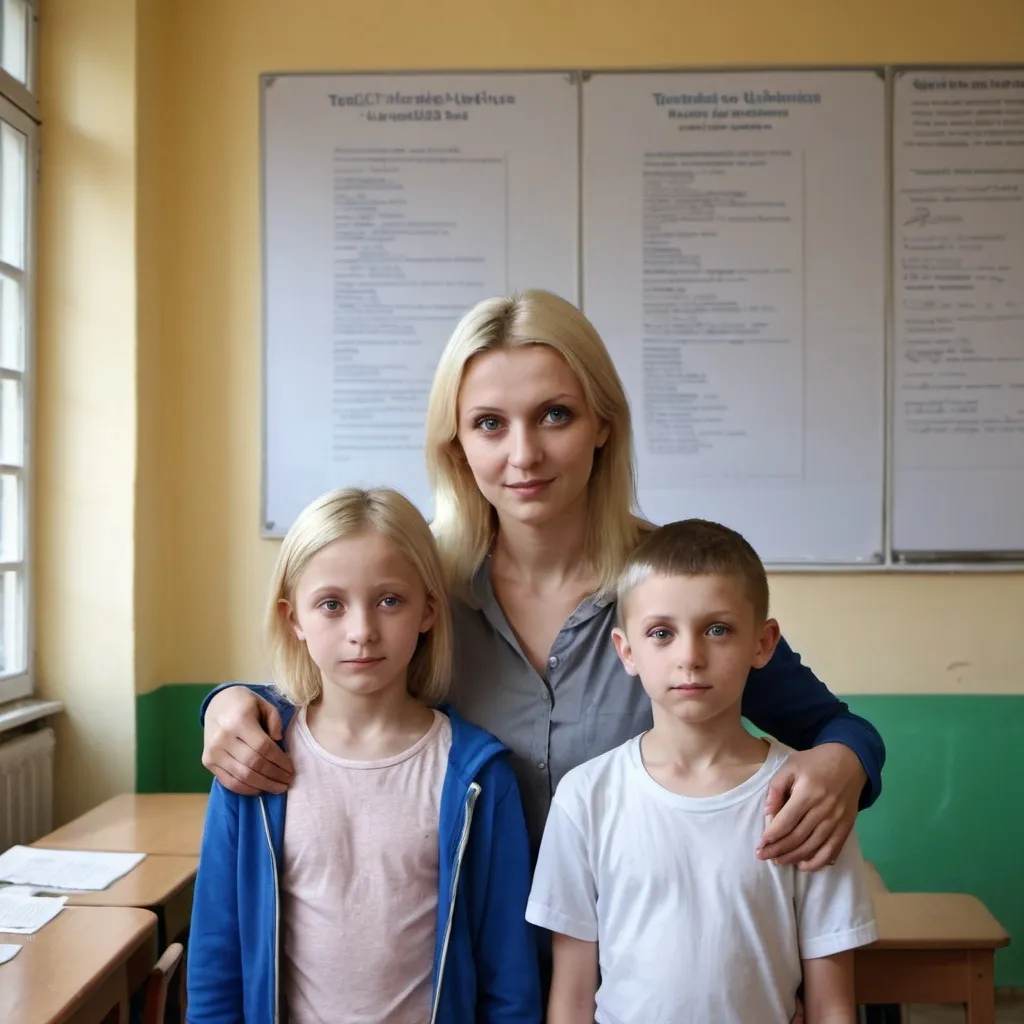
<point x="236" y="747"/>
<point x="812" y="803"/>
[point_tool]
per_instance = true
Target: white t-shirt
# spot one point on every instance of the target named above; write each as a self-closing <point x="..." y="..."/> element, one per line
<point x="359" y="881"/>
<point x="691" y="927"/>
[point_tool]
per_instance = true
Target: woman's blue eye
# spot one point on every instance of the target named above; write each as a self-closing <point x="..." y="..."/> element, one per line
<point x="488" y="424"/>
<point x="330" y="605"/>
<point x="558" y="414"/>
<point x="660" y="634"/>
<point x="390" y="601"/>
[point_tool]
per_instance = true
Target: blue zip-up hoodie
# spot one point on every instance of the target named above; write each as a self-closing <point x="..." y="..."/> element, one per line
<point x="485" y="958"/>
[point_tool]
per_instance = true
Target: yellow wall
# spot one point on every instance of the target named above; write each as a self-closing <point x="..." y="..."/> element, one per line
<point x="85" y="419"/>
<point x="877" y="634"/>
<point x="189" y="173"/>
<point x="155" y="349"/>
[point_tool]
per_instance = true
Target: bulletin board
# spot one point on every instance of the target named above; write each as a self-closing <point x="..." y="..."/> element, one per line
<point x="391" y="205"/>
<point x="810" y="281"/>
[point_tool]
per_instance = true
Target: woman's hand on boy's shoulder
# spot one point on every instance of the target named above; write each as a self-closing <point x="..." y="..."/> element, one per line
<point x="812" y="807"/>
<point x="240" y="748"/>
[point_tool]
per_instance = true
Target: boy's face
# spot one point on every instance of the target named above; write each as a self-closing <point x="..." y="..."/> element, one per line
<point x="693" y="640"/>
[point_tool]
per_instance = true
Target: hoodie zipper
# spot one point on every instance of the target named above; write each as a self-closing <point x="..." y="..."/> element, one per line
<point x="277" y="910"/>
<point x="474" y="792"/>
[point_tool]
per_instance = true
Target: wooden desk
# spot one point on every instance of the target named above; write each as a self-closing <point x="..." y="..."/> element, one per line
<point x="164" y="823"/>
<point x="75" y="969"/>
<point x="162" y="884"/>
<point x="932" y="948"/>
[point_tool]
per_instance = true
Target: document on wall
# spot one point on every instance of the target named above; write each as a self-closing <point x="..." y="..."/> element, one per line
<point x="392" y="205"/>
<point x="70" y="870"/>
<point x="25" y="915"/>
<point x="958" y="261"/>
<point x="734" y="260"/>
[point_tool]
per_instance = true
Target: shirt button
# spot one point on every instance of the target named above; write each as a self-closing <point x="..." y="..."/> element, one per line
<point x="552" y="661"/>
<point x="541" y="765"/>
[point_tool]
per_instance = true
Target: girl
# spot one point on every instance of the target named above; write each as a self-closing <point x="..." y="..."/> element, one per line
<point x="529" y="447"/>
<point x="390" y="885"/>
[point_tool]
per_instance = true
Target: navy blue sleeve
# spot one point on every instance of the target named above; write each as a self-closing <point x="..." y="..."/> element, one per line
<point x="788" y="701"/>
<point x="505" y="949"/>
<point x="265" y="690"/>
<point x="214" y="965"/>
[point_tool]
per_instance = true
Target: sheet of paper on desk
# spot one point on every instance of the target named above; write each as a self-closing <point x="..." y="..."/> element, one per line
<point x="25" y="915"/>
<point x="71" y="870"/>
<point x="8" y="951"/>
<point x="18" y="890"/>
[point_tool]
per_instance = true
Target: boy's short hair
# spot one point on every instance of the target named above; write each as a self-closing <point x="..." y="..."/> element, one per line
<point x="695" y="547"/>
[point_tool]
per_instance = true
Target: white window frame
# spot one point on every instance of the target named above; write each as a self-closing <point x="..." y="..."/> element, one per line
<point x="19" y="108"/>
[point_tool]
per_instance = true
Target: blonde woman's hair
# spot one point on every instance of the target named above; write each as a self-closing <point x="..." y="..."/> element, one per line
<point x="345" y="513"/>
<point x="464" y="522"/>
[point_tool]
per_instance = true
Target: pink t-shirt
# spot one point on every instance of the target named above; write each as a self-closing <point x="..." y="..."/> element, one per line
<point x="359" y="884"/>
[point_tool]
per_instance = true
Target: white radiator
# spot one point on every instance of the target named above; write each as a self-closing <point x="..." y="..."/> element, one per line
<point x="26" y="788"/>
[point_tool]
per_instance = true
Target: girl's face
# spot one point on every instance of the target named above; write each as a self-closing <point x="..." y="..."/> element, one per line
<point x="527" y="433"/>
<point x="360" y="607"/>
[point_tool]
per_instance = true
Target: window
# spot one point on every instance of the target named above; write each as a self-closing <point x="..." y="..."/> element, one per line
<point x="18" y="163"/>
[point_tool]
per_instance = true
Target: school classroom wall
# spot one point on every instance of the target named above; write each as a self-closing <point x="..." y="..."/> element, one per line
<point x="151" y="573"/>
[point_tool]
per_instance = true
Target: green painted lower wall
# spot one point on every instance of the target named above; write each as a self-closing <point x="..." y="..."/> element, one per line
<point x="951" y="816"/>
<point x="170" y="741"/>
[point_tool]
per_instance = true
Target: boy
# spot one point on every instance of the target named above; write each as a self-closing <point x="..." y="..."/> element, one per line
<point x="647" y="864"/>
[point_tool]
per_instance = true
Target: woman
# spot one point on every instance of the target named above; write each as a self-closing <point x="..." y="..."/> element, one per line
<point x="529" y="452"/>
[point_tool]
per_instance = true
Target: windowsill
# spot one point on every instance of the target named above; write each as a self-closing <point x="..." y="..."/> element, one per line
<point x="28" y="709"/>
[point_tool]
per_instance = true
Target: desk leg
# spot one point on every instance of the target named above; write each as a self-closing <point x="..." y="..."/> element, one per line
<point x="107" y="1004"/>
<point x="981" y="996"/>
<point x="119" y="1014"/>
<point x="883" y="1013"/>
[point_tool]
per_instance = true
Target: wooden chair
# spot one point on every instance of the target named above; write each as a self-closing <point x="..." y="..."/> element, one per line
<point x="159" y="982"/>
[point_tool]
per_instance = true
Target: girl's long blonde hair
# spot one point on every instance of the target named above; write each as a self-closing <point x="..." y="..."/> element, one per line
<point x="345" y="513"/>
<point x="464" y="522"/>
